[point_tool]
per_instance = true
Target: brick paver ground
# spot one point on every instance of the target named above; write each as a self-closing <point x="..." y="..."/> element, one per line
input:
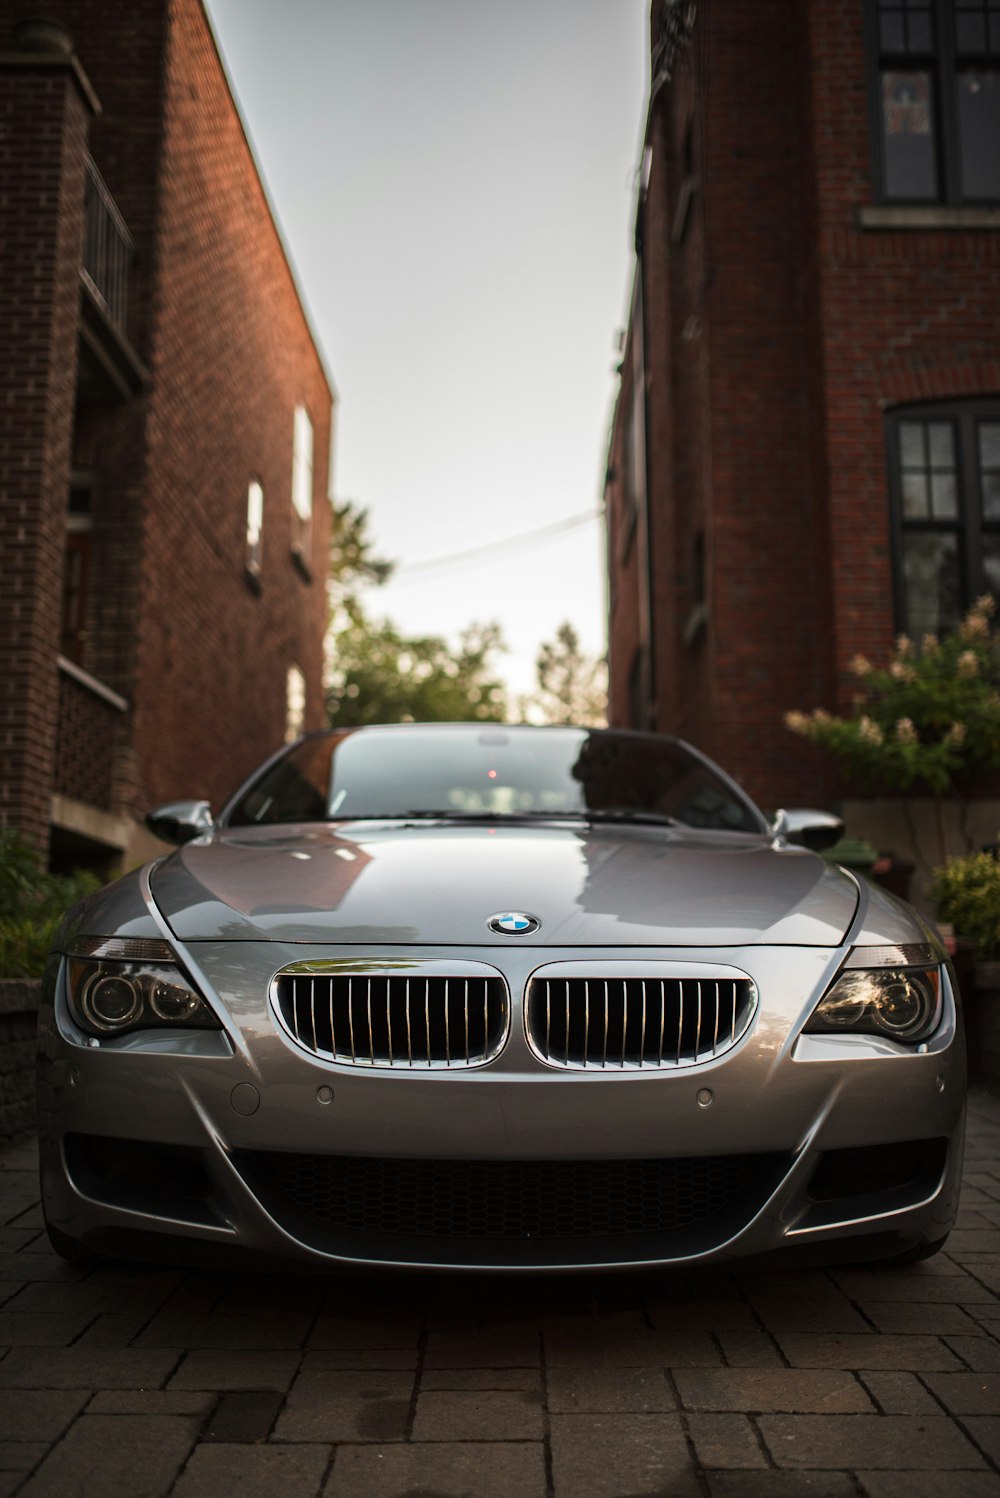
<point x="135" y="1383"/>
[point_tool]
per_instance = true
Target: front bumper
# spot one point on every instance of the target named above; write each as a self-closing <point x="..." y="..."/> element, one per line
<point x="243" y="1108"/>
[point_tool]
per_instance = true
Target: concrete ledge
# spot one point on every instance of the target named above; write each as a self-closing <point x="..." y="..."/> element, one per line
<point x="931" y="217"/>
<point x="20" y="995"/>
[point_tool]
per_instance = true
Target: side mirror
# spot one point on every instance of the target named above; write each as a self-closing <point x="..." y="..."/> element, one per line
<point x="808" y="829"/>
<point x="180" y="821"/>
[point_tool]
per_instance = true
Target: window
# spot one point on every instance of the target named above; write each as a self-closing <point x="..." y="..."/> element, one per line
<point x="302" y="481"/>
<point x="936" y="91"/>
<point x="255" y="526"/>
<point x="295" y="704"/>
<point x="944" y="464"/>
<point x="76" y="568"/>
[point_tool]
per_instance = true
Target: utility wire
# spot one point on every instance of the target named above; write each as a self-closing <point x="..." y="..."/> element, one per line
<point x="491" y="549"/>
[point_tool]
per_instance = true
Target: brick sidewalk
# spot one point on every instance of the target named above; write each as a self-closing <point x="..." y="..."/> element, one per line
<point x="149" y="1382"/>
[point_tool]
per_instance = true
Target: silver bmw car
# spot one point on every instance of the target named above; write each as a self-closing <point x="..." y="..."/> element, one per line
<point x="490" y="998"/>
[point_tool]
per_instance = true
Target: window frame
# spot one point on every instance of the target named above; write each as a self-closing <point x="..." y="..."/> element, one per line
<point x="944" y="64"/>
<point x="76" y="566"/>
<point x="303" y="461"/>
<point x="254" y="550"/>
<point x="970" y="526"/>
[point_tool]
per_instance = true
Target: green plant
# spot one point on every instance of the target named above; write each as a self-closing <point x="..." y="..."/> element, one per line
<point x="927" y="719"/>
<point x="32" y="903"/>
<point x="927" y="723"/>
<point x="967" y="892"/>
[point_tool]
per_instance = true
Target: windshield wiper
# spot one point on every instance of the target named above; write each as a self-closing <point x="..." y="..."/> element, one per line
<point x="608" y="814"/>
<point x="492" y="816"/>
<point x="630" y="814"/>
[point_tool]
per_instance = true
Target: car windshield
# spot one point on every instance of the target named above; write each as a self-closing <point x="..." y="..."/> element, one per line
<point x="422" y="771"/>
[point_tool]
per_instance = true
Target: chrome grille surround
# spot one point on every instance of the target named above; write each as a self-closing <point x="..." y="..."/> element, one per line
<point x="635" y="1016"/>
<point x="408" y="1016"/>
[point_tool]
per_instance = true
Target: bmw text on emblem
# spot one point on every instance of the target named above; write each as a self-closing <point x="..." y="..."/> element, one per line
<point x="513" y="923"/>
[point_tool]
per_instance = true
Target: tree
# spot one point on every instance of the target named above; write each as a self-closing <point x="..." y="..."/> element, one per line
<point x="352" y="563"/>
<point x="379" y="675"/>
<point x="572" y="686"/>
<point x="383" y="676"/>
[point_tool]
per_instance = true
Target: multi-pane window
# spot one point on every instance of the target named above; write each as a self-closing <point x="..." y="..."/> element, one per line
<point x="937" y="106"/>
<point x="255" y="527"/>
<point x="302" y="480"/>
<point x="944" y="464"/>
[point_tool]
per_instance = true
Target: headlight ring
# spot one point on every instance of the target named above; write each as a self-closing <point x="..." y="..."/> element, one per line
<point x="901" y="1002"/>
<point x="111" y="995"/>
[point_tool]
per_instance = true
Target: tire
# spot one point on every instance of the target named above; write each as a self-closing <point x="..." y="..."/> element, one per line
<point x="75" y="1252"/>
<point x="914" y="1255"/>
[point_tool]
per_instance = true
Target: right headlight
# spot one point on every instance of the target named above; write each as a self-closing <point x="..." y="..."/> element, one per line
<point x="118" y="985"/>
<point x="898" y="999"/>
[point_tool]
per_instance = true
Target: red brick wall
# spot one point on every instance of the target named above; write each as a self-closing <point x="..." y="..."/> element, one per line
<point x="904" y="316"/>
<point x="778" y="331"/>
<point x="43" y="131"/>
<point x="231" y="356"/>
<point x="173" y="624"/>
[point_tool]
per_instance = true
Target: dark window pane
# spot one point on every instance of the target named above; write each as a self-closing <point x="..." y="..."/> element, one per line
<point x="911" y="444"/>
<point x="979" y="133"/>
<point x="995" y="34"/>
<point x="970" y="33"/>
<point x="989" y="444"/>
<point x="915" y="496"/>
<point x="908" y="136"/>
<point x="991" y="496"/>
<point x="891" y="32"/>
<point x="931" y="583"/>
<point x="920" y="37"/>
<point x="944" y="496"/>
<point x="942" y="444"/>
<point x="991" y="565"/>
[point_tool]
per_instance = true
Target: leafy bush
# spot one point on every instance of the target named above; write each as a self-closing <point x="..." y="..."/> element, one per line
<point x="928" y="719"/>
<point x="967" y="891"/>
<point x="32" y="903"/>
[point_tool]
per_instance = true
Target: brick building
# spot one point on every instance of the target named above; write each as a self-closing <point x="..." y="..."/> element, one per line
<point x="165" y="432"/>
<point x="805" y="453"/>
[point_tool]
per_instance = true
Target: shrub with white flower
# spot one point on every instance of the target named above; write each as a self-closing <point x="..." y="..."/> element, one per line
<point x="927" y="720"/>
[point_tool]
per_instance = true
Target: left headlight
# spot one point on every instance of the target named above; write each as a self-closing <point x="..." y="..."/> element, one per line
<point x="897" y="999"/>
<point x="119" y="985"/>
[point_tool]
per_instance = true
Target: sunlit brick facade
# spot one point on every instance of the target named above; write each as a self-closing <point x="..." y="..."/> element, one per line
<point x="156" y="367"/>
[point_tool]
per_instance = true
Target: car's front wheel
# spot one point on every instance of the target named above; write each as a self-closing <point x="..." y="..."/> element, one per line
<point x="75" y="1252"/>
<point x="916" y="1254"/>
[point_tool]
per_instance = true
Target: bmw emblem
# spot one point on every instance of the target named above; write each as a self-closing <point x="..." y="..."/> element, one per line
<point x="513" y="923"/>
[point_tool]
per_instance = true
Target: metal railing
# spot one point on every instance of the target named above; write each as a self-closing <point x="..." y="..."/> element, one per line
<point x="90" y="721"/>
<point x="108" y="249"/>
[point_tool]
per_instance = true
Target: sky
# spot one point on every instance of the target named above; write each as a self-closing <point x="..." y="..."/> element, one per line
<point x="455" y="182"/>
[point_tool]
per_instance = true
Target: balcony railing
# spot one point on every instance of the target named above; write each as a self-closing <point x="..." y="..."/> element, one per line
<point x="108" y="250"/>
<point x="90" y="721"/>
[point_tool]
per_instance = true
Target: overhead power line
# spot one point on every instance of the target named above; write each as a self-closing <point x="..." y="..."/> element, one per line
<point x="489" y="550"/>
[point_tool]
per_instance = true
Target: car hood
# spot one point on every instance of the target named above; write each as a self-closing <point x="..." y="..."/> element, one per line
<point x="439" y="883"/>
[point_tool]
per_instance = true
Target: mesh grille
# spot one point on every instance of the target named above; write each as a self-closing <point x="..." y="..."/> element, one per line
<point x="390" y="1020"/>
<point x="627" y="1024"/>
<point x="504" y="1199"/>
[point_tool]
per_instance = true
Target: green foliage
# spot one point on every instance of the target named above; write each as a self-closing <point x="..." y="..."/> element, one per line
<point x="380" y="675"/>
<point x="352" y="562"/>
<point x="967" y="891"/>
<point x="383" y="676"/>
<point x="927" y="720"/>
<point x="32" y="903"/>
<point x="572" y="686"/>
